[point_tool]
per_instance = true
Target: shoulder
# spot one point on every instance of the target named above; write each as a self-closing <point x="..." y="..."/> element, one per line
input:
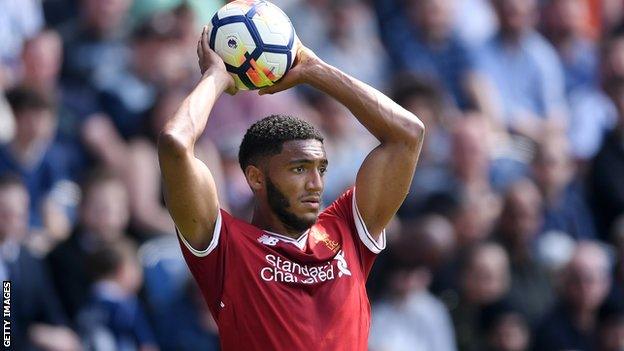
<point x="57" y="151"/>
<point x="66" y="249"/>
<point x="235" y="223"/>
<point x="4" y="151"/>
<point x="541" y="50"/>
<point x="30" y="263"/>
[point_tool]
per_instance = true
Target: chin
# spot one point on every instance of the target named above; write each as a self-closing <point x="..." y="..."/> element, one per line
<point x="308" y="219"/>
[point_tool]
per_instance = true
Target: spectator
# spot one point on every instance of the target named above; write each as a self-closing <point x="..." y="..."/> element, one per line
<point x="585" y="283"/>
<point x="352" y="38"/>
<point x="148" y="213"/>
<point x="484" y="279"/>
<point x="37" y="320"/>
<point x="114" y="318"/>
<point x="480" y="25"/>
<point x="524" y="70"/>
<point x="611" y="326"/>
<point x="566" y="27"/>
<point x="468" y="169"/>
<point x="424" y="99"/>
<point x="517" y="229"/>
<point x="95" y="47"/>
<point x="410" y="317"/>
<point x="471" y="162"/>
<point x="564" y="208"/>
<point x="612" y="15"/>
<point x="102" y="220"/>
<point x="504" y="327"/>
<point x="617" y="238"/>
<point x="195" y="329"/>
<point x="43" y="164"/>
<point x="593" y="111"/>
<point x="19" y="20"/>
<point x="346" y="140"/>
<point x="42" y="58"/>
<point x="606" y="188"/>
<point x="419" y="37"/>
<point x="156" y="62"/>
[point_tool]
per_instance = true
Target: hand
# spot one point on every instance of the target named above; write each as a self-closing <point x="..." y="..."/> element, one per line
<point x="53" y="338"/>
<point x="303" y="65"/>
<point x="211" y="64"/>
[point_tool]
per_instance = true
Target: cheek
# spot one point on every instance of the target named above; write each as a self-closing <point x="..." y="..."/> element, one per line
<point x="289" y="183"/>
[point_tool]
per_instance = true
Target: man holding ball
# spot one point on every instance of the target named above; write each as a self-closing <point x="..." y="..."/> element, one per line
<point x="294" y="278"/>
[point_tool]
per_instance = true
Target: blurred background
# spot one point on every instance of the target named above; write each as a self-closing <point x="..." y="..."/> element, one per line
<point x="511" y="238"/>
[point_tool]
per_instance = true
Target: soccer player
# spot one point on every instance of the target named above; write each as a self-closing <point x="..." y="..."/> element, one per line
<point x="294" y="278"/>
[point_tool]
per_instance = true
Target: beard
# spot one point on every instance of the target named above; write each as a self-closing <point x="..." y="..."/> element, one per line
<point x="278" y="202"/>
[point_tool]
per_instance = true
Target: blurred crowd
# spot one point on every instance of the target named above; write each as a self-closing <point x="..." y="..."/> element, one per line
<point x="511" y="237"/>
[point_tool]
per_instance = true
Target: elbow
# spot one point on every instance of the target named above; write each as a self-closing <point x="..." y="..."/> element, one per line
<point x="171" y="143"/>
<point x="414" y="131"/>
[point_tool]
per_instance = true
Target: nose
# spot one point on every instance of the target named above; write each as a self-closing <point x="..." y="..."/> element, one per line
<point x="314" y="182"/>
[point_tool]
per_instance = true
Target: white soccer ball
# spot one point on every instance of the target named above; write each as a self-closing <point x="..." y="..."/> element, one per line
<point x="256" y="40"/>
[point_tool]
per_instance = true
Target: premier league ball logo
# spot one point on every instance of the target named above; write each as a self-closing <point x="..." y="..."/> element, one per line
<point x="232" y="43"/>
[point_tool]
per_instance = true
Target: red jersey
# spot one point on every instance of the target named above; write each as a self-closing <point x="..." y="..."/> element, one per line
<point x="271" y="292"/>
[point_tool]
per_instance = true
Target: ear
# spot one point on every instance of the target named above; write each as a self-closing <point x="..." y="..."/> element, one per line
<point x="255" y="178"/>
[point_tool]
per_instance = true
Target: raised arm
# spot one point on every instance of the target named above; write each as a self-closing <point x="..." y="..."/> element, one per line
<point x="190" y="190"/>
<point x="384" y="178"/>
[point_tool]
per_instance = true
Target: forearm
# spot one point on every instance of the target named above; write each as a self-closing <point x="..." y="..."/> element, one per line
<point x="189" y="121"/>
<point x="384" y="118"/>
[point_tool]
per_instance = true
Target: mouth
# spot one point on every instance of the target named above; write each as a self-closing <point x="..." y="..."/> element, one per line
<point x="313" y="202"/>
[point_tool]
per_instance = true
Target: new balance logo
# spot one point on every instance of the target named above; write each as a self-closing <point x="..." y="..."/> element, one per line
<point x="268" y="240"/>
<point x="342" y="264"/>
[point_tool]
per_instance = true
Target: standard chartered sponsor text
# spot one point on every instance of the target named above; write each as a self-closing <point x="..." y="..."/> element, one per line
<point x="282" y="270"/>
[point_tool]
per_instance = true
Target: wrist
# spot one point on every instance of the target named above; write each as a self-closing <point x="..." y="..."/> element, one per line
<point x="315" y="71"/>
<point x="220" y="77"/>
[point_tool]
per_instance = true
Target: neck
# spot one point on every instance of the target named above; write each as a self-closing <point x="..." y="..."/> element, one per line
<point x="512" y="37"/>
<point x="584" y="320"/>
<point x="552" y="196"/>
<point x="435" y="37"/>
<point x="265" y="219"/>
<point x="563" y="40"/>
<point x="26" y="151"/>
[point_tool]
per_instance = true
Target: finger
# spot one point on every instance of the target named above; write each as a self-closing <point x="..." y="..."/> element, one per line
<point x="204" y="38"/>
<point x="285" y="83"/>
<point x="200" y="52"/>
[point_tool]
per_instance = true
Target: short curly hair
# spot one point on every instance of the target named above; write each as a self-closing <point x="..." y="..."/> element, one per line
<point x="266" y="137"/>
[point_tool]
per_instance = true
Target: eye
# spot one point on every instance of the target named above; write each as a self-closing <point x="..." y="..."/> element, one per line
<point x="298" y="170"/>
<point x="323" y="170"/>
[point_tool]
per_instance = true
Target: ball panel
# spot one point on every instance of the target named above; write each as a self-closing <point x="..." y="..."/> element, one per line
<point x="239" y="83"/>
<point x="259" y="74"/>
<point x="233" y="42"/>
<point x="235" y="8"/>
<point x="293" y="51"/>
<point x="272" y="25"/>
<point x="273" y="65"/>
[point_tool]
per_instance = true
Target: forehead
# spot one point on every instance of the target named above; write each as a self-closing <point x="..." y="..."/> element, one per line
<point x="37" y="113"/>
<point x="309" y="149"/>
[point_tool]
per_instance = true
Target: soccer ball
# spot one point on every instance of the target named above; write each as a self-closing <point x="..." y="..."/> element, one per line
<point x="256" y="40"/>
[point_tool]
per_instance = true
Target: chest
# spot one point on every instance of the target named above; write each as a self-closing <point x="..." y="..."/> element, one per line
<point x="322" y="269"/>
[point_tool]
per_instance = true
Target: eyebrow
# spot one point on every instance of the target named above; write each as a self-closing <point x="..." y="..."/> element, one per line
<point x="307" y="161"/>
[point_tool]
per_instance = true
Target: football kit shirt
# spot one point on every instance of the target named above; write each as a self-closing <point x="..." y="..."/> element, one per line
<point x="268" y="291"/>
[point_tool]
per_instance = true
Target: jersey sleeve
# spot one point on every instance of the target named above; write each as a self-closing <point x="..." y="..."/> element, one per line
<point x="216" y="234"/>
<point x="208" y="265"/>
<point x="345" y="208"/>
